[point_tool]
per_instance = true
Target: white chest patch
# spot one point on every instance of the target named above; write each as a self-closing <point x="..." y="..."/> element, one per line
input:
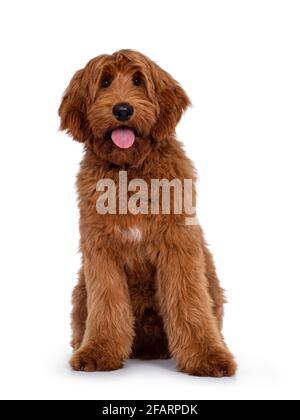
<point x="132" y="234"/>
<point x="135" y="234"/>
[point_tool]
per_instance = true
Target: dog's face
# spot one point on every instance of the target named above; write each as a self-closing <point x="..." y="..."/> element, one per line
<point x="122" y="105"/>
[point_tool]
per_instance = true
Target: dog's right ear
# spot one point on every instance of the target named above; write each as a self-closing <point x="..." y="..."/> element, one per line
<point x="72" y="110"/>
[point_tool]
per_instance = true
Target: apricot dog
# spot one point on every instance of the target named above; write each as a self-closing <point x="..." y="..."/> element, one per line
<point x="148" y="287"/>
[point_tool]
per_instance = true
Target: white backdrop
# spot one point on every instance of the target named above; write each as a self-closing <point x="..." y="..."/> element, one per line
<point x="239" y="62"/>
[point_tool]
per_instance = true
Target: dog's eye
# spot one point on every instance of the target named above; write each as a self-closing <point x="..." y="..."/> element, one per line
<point x="106" y="82"/>
<point x="137" y="81"/>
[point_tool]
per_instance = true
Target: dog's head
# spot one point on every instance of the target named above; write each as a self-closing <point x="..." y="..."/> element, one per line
<point x="122" y="105"/>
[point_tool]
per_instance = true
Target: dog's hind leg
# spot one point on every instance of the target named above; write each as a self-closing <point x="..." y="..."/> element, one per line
<point x="215" y="290"/>
<point x="150" y="338"/>
<point x="79" y="312"/>
<point x="150" y="341"/>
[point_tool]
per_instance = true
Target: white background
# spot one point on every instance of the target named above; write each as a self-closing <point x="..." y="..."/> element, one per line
<point x="239" y="61"/>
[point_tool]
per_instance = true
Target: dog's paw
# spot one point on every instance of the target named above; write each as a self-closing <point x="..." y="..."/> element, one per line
<point x="92" y="358"/>
<point x="216" y="363"/>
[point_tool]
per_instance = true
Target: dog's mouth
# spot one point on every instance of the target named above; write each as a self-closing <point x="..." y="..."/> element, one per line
<point x="123" y="137"/>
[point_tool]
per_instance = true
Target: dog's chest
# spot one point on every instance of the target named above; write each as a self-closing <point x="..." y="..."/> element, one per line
<point x="129" y="235"/>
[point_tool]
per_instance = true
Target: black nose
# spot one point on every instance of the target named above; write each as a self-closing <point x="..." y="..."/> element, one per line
<point x="123" y="112"/>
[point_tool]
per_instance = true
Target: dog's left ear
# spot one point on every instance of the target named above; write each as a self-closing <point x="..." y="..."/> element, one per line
<point x="172" y="102"/>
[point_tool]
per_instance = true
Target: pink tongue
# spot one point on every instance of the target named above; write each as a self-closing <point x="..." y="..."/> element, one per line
<point x="123" y="137"/>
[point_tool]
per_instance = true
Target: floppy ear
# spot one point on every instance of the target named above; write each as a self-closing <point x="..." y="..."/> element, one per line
<point x="73" y="108"/>
<point x="172" y="102"/>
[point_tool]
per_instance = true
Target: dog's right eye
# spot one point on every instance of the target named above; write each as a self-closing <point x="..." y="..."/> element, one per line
<point x="106" y="82"/>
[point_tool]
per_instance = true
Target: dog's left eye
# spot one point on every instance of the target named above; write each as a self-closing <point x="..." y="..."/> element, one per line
<point x="137" y="81"/>
<point x="106" y="82"/>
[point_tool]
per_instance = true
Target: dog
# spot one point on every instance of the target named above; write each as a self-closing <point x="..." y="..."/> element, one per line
<point x="148" y="286"/>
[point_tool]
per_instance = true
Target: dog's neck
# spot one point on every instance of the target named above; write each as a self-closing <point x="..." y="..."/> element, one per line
<point x="169" y="150"/>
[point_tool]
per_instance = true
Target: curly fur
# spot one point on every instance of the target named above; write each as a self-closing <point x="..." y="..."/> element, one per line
<point x="156" y="295"/>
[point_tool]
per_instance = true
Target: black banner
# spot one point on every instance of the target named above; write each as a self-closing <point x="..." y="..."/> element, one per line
<point x="102" y="409"/>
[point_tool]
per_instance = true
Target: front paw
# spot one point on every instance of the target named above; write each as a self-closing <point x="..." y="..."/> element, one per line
<point x="93" y="357"/>
<point x="216" y="363"/>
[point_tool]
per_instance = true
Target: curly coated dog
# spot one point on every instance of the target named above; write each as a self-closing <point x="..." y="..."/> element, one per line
<point x="148" y="287"/>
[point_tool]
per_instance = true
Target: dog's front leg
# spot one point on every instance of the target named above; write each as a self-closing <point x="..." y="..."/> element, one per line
<point x="187" y="309"/>
<point x="109" y="327"/>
